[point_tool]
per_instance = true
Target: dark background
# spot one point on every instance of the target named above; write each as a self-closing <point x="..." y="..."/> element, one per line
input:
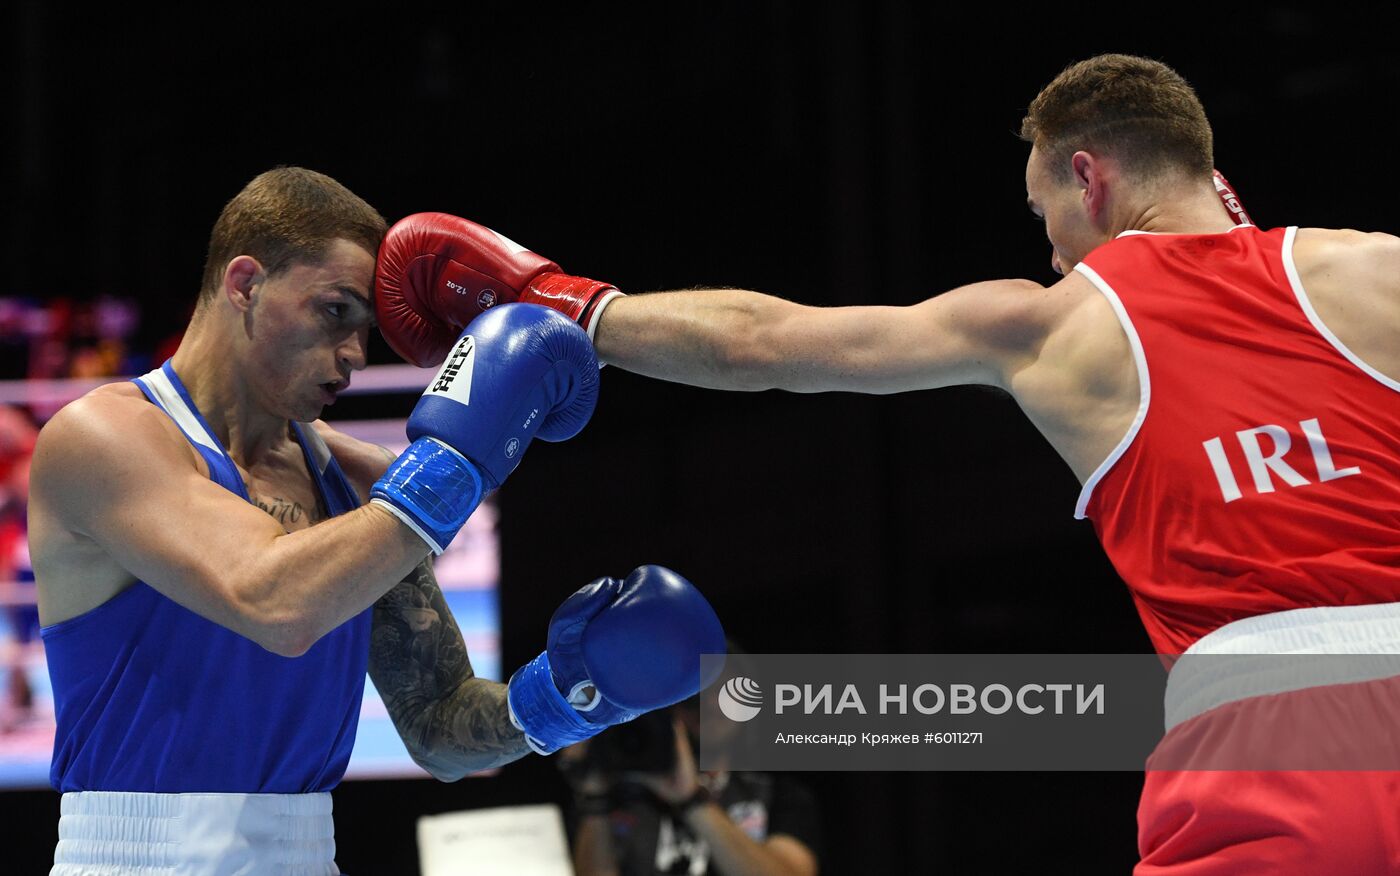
<point x="831" y="153"/>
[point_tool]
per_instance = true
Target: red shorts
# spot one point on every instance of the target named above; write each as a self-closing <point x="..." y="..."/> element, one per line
<point x="1304" y="780"/>
<point x="1231" y="823"/>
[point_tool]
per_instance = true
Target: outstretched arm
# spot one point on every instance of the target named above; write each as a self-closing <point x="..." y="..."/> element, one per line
<point x="452" y="722"/>
<point x="740" y="340"/>
<point x="717" y="338"/>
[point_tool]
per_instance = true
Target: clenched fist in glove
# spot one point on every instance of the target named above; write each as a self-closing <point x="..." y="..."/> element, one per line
<point x="616" y="648"/>
<point x="438" y="272"/>
<point x="519" y="372"/>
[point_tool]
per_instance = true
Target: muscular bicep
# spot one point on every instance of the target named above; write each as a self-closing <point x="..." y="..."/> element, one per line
<point x="976" y="334"/>
<point x="108" y="471"/>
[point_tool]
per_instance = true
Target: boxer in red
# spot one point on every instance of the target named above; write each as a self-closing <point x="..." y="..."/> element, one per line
<point x="1226" y="395"/>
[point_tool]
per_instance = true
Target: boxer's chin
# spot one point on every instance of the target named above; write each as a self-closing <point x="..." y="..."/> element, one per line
<point x="308" y="409"/>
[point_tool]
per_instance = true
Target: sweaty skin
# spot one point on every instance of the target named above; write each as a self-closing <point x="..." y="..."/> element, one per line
<point x="1060" y="351"/>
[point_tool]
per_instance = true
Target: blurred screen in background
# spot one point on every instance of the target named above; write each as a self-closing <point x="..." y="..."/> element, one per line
<point x="52" y="352"/>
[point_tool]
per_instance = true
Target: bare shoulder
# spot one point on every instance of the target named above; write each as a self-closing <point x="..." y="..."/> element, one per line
<point x="1079" y="337"/>
<point x="111" y="434"/>
<point x="995" y="300"/>
<point x="1059" y="302"/>
<point x="1073" y="294"/>
<point x="100" y="403"/>
<point x="1342" y="240"/>
<point x="1003" y="314"/>
<point x="1023" y="310"/>
<point x="1023" y="315"/>
<point x="108" y="422"/>
<point x="362" y="462"/>
<point x="1352" y="279"/>
<point x="1371" y="257"/>
<point x="973" y="334"/>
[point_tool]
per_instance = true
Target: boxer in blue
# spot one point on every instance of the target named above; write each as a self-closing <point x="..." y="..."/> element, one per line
<point x="216" y="568"/>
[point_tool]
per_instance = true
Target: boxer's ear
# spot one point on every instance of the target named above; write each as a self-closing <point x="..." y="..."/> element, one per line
<point x="242" y="276"/>
<point x="1090" y="176"/>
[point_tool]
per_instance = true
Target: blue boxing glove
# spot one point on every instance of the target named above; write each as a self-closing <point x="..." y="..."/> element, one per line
<point x="518" y="370"/>
<point x="616" y="649"/>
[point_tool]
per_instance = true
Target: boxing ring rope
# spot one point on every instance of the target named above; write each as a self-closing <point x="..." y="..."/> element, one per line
<point x="375" y="379"/>
<point x="52" y="394"/>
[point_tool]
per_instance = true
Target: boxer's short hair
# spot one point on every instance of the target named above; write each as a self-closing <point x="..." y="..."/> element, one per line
<point x="1140" y="111"/>
<point x="284" y="216"/>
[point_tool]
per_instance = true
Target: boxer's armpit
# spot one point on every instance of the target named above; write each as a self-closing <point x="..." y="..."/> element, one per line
<point x="452" y="722"/>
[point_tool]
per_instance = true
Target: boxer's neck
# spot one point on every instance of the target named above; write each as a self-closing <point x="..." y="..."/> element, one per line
<point x="1194" y="209"/>
<point x="211" y="366"/>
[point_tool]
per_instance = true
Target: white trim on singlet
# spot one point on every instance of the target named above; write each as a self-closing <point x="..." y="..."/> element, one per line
<point x="1144" y="387"/>
<point x="1132" y="231"/>
<point x="1291" y="269"/>
<point x="170" y="399"/>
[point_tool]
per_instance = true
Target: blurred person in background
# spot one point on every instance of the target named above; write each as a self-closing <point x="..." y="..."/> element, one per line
<point x="641" y="807"/>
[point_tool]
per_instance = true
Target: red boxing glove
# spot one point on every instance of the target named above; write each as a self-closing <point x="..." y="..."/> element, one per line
<point x="438" y="272"/>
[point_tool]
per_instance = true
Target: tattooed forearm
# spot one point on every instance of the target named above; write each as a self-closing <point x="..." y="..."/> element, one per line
<point x="452" y="722"/>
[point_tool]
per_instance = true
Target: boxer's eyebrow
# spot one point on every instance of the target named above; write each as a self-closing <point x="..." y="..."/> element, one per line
<point x="352" y="292"/>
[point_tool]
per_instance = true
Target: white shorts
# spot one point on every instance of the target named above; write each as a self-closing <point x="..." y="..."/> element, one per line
<point x="102" y="833"/>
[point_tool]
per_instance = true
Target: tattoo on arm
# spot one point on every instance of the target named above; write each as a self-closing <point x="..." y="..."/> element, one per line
<point x="451" y="721"/>
<point x="284" y="511"/>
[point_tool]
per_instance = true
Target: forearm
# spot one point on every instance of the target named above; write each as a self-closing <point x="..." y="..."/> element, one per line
<point x="301" y="585"/>
<point x="734" y="852"/>
<point x="467" y="731"/>
<point x="713" y="338"/>
<point x="593" y="847"/>
<point x="451" y="722"/>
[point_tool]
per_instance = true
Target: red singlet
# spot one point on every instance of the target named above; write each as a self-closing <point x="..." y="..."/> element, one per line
<point x="1262" y="472"/>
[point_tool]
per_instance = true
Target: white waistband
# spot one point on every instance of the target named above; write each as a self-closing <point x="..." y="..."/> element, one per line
<point x="1282" y="652"/>
<point x="1332" y="629"/>
<point x="111" y="832"/>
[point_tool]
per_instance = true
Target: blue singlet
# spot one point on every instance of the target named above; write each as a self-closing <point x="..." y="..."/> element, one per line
<point x="152" y="697"/>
